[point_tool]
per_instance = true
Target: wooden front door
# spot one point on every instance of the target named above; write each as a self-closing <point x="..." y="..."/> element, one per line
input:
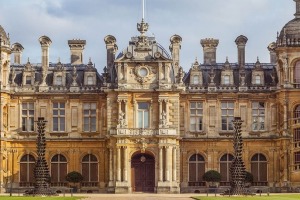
<point x="143" y="173"/>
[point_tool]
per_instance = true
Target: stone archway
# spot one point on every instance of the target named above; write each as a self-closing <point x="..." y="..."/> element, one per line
<point x="142" y="172"/>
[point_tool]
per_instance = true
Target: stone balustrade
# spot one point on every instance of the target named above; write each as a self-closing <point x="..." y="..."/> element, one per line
<point x="142" y="132"/>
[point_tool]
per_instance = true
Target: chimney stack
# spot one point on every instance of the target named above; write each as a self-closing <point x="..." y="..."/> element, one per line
<point x="241" y="42"/>
<point x="209" y="50"/>
<point x="273" y="56"/>
<point x="76" y="48"/>
<point x="111" y="49"/>
<point x="17" y="50"/>
<point x="175" y="47"/>
<point x="45" y="44"/>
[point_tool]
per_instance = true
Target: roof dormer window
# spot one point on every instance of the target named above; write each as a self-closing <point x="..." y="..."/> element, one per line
<point x="257" y="79"/>
<point x="226" y="79"/>
<point x="28" y="80"/>
<point x="196" y="80"/>
<point x="58" y="80"/>
<point x="90" y="80"/>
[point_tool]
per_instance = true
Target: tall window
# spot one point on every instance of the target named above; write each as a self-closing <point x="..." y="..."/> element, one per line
<point x="258" y="116"/>
<point x="226" y="79"/>
<point x="297" y="115"/>
<point x="89" y="117"/>
<point x="259" y="168"/>
<point x="143" y="115"/>
<point x="58" y="80"/>
<point x="27" y="164"/>
<point x="297" y="72"/>
<point x="58" y="168"/>
<point x="297" y="137"/>
<point x="90" y="80"/>
<point x="59" y="117"/>
<point x="28" y="80"/>
<point x="227" y="115"/>
<point x="257" y="79"/>
<point x="196" y="80"/>
<point x="90" y="168"/>
<point x="225" y="163"/>
<point x="28" y="117"/>
<point x="196" y="168"/>
<point x="196" y="116"/>
<point x="297" y="160"/>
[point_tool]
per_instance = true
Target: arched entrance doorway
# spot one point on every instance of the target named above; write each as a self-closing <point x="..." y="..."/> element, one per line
<point x="142" y="173"/>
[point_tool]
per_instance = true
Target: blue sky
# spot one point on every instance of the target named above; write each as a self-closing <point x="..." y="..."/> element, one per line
<point x="193" y="20"/>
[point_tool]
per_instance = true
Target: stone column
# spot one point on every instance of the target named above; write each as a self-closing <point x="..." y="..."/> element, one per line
<point x="174" y="163"/>
<point x="125" y="164"/>
<point x="110" y="164"/>
<point x="160" y="164"/>
<point x="118" y="164"/>
<point x="126" y="112"/>
<point x="168" y="164"/>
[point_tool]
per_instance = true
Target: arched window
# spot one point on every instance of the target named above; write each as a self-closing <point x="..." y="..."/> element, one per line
<point x="259" y="170"/>
<point x="297" y="115"/>
<point x="58" y="170"/>
<point x="225" y="163"/>
<point x="27" y="164"/>
<point x="196" y="170"/>
<point x="296" y="137"/>
<point x="89" y="170"/>
<point x="196" y="80"/>
<point x="297" y="72"/>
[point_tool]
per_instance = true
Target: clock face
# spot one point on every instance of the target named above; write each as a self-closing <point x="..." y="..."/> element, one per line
<point x="143" y="72"/>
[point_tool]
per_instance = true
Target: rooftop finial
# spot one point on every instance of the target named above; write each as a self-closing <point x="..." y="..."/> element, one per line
<point x="143" y="5"/>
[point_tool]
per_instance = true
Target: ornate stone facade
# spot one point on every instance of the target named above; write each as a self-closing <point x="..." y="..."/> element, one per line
<point x="146" y="125"/>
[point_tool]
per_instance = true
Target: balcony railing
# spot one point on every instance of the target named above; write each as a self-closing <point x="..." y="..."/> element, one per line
<point x="59" y="184"/>
<point x="26" y="184"/>
<point x="142" y="132"/>
<point x="261" y="183"/>
<point x="199" y="184"/>
<point x="89" y="184"/>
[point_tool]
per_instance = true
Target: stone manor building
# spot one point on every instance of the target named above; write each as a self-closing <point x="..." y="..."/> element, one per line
<point x="145" y="125"/>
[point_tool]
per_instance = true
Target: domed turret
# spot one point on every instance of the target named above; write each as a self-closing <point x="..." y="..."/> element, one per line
<point x="290" y="33"/>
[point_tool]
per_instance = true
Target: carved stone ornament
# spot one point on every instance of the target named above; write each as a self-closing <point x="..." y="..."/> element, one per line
<point x="142" y="73"/>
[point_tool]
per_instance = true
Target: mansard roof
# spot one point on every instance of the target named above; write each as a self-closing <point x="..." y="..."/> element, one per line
<point x="217" y="68"/>
<point x="55" y="67"/>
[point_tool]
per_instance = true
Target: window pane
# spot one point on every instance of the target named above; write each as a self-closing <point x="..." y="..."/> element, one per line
<point x="143" y="105"/>
<point x="140" y="119"/>
<point x="146" y="119"/>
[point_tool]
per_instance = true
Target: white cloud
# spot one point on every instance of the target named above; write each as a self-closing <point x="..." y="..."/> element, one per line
<point x="92" y="20"/>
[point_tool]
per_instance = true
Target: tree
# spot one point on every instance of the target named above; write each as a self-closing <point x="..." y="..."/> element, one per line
<point x="212" y="176"/>
<point x="248" y="177"/>
<point x="74" y="177"/>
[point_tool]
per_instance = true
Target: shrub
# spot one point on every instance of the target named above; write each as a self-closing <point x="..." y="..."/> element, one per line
<point x="212" y="176"/>
<point x="74" y="177"/>
<point x="248" y="177"/>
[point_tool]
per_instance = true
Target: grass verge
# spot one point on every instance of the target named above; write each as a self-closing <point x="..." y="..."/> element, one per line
<point x="271" y="197"/>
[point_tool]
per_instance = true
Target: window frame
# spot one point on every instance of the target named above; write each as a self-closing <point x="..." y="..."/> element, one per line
<point x="89" y="163"/>
<point x="27" y="164"/>
<point x="59" y="162"/>
<point x="259" y="163"/>
<point x="257" y="118"/>
<point x="196" y="117"/>
<point x="197" y="162"/>
<point x="144" y="112"/>
<point x="27" y="120"/>
<point x="228" y="117"/>
<point x="61" y="118"/>
<point x="91" y="115"/>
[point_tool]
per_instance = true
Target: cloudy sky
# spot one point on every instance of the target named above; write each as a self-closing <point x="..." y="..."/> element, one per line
<point x="193" y="20"/>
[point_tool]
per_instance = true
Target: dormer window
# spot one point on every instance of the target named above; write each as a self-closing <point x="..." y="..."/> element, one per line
<point x="257" y="80"/>
<point x="226" y="79"/>
<point x="297" y="72"/>
<point x="58" y="80"/>
<point x="90" y="80"/>
<point x="28" y="80"/>
<point x="196" y="80"/>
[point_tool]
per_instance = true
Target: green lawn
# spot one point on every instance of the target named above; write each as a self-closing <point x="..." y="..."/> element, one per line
<point x="38" y="198"/>
<point x="256" y="197"/>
